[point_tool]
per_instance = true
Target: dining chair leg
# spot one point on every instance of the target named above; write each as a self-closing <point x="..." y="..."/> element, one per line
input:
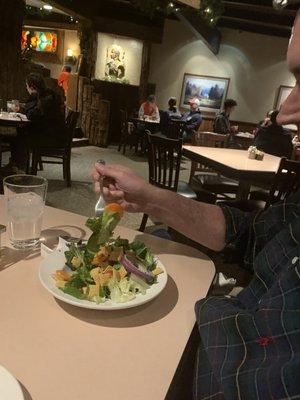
<point x="143" y="223"/>
<point x="67" y="170"/>
<point x="34" y="163"/>
<point x="40" y="164"/>
<point x="0" y="153"/>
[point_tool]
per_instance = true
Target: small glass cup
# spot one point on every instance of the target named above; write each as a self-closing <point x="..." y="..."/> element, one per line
<point x="9" y="106"/>
<point x="15" y="106"/>
<point x="25" y="197"/>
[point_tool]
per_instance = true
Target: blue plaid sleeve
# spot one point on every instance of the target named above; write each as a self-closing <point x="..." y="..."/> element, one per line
<point x="240" y="235"/>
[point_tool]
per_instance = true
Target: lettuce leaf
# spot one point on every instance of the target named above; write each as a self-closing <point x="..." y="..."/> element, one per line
<point x="102" y="228"/>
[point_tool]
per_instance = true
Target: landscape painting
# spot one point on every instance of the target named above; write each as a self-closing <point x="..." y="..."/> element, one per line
<point x="210" y="90"/>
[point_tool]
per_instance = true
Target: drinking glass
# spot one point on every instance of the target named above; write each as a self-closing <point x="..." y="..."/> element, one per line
<point x="15" y="105"/>
<point x="9" y="106"/>
<point x="25" y="197"/>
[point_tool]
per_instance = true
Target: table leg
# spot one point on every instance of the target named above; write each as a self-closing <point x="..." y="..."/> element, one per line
<point x="243" y="190"/>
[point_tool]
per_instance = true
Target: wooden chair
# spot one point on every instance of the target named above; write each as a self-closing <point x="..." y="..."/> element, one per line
<point x="58" y="155"/>
<point x="208" y="180"/>
<point x="164" y="158"/>
<point x="286" y="182"/>
<point x="129" y="134"/>
<point x="175" y="129"/>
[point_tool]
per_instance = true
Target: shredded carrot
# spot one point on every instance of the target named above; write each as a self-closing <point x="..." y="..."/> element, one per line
<point x="115" y="208"/>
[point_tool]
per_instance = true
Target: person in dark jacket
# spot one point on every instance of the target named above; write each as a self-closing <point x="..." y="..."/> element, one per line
<point x="221" y="123"/>
<point x="166" y="116"/>
<point x="193" y="119"/>
<point x="273" y="138"/>
<point x="172" y="110"/>
<point x="44" y="110"/>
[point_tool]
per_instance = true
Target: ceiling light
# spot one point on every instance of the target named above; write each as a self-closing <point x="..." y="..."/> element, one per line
<point x="47" y="7"/>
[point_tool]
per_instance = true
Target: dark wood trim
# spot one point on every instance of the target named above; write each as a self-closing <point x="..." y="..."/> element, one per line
<point x="231" y="5"/>
<point x="132" y="29"/>
<point x="67" y="10"/>
<point x="257" y="23"/>
<point x="145" y="71"/>
<point x="51" y="25"/>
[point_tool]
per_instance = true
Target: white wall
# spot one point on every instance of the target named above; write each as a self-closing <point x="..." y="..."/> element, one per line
<point x="71" y="41"/>
<point x="254" y="63"/>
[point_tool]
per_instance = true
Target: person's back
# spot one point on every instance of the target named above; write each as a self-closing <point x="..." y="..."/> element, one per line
<point x="274" y="139"/>
<point x="63" y="79"/>
<point x="221" y="124"/>
<point x="47" y="126"/>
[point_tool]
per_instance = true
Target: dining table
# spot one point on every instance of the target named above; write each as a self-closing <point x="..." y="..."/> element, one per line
<point x="235" y="164"/>
<point x="244" y="139"/>
<point x="62" y="352"/>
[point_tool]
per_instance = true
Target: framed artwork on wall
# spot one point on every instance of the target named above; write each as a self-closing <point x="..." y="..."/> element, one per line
<point x="282" y="93"/>
<point x="46" y="45"/>
<point x="210" y="90"/>
<point x="119" y="59"/>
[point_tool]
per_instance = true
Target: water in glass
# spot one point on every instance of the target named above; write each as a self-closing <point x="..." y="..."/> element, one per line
<point x="25" y="200"/>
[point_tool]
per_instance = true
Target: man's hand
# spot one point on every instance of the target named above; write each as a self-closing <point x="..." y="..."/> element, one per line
<point x="204" y="223"/>
<point x="122" y="186"/>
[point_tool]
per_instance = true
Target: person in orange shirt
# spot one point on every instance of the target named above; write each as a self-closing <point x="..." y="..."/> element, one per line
<point x="63" y="78"/>
<point x="149" y="109"/>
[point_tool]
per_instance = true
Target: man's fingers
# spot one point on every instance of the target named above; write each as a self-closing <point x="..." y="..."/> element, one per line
<point x="113" y="195"/>
<point x="97" y="187"/>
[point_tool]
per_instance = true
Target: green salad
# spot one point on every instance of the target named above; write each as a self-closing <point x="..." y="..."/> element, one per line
<point x="106" y="267"/>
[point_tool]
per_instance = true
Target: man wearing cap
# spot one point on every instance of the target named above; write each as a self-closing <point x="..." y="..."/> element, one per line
<point x="192" y="119"/>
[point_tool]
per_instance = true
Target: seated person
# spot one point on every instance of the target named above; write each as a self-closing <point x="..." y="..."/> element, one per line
<point x="63" y="79"/>
<point x="193" y="119"/>
<point x="171" y="113"/>
<point x="249" y="345"/>
<point x="172" y="110"/>
<point x="149" y="109"/>
<point x="47" y="124"/>
<point x="221" y="123"/>
<point x="273" y="138"/>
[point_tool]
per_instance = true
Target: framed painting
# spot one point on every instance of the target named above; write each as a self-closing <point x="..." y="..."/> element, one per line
<point x="282" y="94"/>
<point x="47" y="45"/>
<point x="210" y="90"/>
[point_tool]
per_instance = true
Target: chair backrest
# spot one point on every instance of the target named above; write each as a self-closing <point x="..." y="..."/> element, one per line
<point x="210" y="139"/>
<point x="123" y="122"/>
<point x="175" y="129"/>
<point x="207" y="139"/>
<point x="164" y="157"/>
<point x="286" y="182"/>
<point x="70" y="124"/>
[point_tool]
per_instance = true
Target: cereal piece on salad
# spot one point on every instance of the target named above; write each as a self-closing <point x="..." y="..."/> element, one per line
<point x="157" y="271"/>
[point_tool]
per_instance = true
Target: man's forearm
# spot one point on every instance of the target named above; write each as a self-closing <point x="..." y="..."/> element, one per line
<point x="201" y="222"/>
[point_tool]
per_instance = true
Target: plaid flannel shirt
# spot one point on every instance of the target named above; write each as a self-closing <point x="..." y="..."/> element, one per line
<point x="251" y="344"/>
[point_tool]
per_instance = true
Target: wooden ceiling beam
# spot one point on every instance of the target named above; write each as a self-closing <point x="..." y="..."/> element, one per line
<point x="70" y="11"/>
<point x="255" y="23"/>
<point x="50" y="24"/>
<point x="190" y="3"/>
<point x="258" y="8"/>
<point x="248" y="27"/>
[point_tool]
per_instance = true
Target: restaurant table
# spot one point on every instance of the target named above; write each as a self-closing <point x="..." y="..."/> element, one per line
<point x="235" y="164"/>
<point x="58" y="351"/>
<point x="245" y="139"/>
